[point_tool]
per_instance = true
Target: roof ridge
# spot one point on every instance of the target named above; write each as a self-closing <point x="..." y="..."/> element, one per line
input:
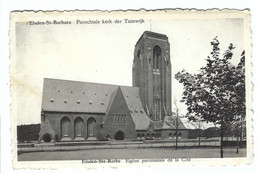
<point x="65" y="80"/>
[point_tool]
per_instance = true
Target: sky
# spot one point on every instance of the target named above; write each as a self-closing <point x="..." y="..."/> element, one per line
<point x="103" y="53"/>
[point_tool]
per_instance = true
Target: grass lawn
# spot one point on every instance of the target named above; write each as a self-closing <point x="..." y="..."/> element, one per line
<point x="131" y="153"/>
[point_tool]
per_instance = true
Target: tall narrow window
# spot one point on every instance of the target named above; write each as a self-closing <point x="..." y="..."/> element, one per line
<point x="157" y="51"/>
<point x="78" y="129"/>
<point x="160" y="108"/>
<point x="154" y="107"/>
<point x="65" y="127"/>
<point x="91" y="127"/>
<point x="157" y="109"/>
<point x="138" y="54"/>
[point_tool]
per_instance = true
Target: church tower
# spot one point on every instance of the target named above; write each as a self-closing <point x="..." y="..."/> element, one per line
<point x="152" y="74"/>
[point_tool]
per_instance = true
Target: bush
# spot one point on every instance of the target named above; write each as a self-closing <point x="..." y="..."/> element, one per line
<point x="28" y="132"/>
<point x="211" y="132"/>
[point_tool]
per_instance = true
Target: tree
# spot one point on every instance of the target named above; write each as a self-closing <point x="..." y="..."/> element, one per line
<point x="217" y="93"/>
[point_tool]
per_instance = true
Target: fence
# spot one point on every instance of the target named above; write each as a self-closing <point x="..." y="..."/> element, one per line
<point x="69" y="146"/>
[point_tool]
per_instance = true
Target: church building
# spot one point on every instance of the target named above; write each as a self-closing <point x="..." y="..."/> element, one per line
<point x="81" y="111"/>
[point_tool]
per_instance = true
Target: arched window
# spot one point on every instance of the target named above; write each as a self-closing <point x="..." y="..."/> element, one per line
<point x="65" y="127"/>
<point x="148" y="136"/>
<point x="138" y="136"/>
<point x="78" y="128"/>
<point x="91" y="127"/>
<point x="170" y="135"/>
<point x="157" y="136"/>
<point x="108" y="137"/>
<point x="138" y="53"/>
<point x="153" y="136"/>
<point x="120" y="118"/>
<point x="157" y="51"/>
<point x="116" y="119"/>
<point x="124" y="118"/>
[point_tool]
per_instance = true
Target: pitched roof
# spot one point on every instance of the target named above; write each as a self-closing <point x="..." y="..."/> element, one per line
<point x="112" y="98"/>
<point x="170" y="123"/>
<point x="74" y="96"/>
<point x="140" y="118"/>
<point x="158" y="124"/>
<point x="195" y="125"/>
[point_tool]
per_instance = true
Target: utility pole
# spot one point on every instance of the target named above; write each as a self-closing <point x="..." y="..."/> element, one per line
<point x="199" y="131"/>
<point x="176" y="124"/>
<point x="238" y="135"/>
<point x="177" y="127"/>
<point x="241" y="132"/>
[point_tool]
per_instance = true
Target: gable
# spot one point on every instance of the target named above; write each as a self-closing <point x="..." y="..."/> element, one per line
<point x="118" y="113"/>
<point x="132" y="99"/>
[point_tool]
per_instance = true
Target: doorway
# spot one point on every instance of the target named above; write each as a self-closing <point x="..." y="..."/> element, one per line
<point x="119" y="135"/>
<point x="46" y="137"/>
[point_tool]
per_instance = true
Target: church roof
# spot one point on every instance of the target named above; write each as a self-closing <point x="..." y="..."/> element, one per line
<point x="74" y="96"/>
<point x="170" y="123"/>
<point x="139" y="116"/>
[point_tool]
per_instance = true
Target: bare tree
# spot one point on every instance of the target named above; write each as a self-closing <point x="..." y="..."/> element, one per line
<point x="198" y="121"/>
<point x="176" y="122"/>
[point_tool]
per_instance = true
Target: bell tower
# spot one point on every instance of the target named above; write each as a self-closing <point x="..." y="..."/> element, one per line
<point x="152" y="74"/>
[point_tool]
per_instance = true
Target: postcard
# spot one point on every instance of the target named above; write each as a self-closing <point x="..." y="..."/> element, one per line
<point x="127" y="88"/>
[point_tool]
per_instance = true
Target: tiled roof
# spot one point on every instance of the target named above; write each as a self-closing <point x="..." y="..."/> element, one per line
<point x="140" y="118"/>
<point x="112" y="98"/>
<point x="170" y="123"/>
<point x="74" y="96"/>
<point x="158" y="124"/>
<point x="195" y="125"/>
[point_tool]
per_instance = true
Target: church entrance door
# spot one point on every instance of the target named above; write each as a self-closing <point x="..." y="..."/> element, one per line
<point x="119" y="135"/>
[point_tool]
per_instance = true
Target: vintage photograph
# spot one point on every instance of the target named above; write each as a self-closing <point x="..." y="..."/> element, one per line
<point x="134" y="87"/>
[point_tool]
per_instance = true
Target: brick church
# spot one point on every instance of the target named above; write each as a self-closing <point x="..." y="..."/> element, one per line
<point x="81" y="111"/>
